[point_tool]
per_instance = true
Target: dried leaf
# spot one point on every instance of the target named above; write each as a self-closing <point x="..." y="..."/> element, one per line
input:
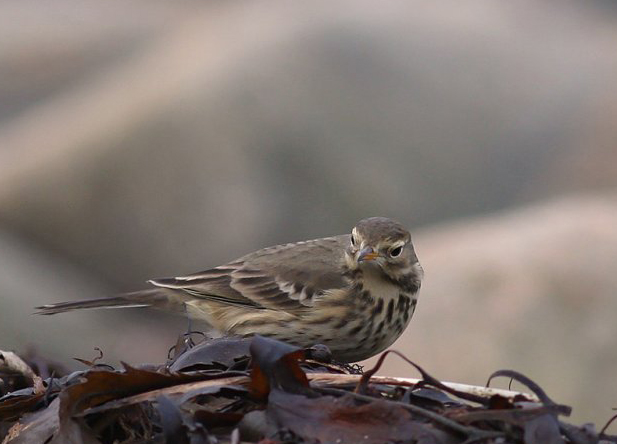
<point x="275" y="365"/>
<point x="341" y="420"/>
<point x="153" y="404"/>
<point x="100" y="386"/>
<point x="430" y="397"/>
<point x="12" y="407"/>
<point x="39" y="426"/>
<point x="220" y="353"/>
<point x="45" y="426"/>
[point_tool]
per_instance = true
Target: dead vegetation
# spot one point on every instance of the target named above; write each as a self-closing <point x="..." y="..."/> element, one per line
<point x="261" y="390"/>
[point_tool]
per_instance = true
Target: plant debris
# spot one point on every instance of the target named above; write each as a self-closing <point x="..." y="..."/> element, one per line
<point x="258" y="390"/>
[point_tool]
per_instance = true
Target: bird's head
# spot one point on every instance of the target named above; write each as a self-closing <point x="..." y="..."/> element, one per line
<point x="384" y="243"/>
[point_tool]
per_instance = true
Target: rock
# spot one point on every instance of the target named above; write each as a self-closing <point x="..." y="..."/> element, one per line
<point x="532" y="289"/>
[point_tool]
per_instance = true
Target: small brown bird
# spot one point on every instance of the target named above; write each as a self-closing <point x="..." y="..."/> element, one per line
<point x="354" y="293"/>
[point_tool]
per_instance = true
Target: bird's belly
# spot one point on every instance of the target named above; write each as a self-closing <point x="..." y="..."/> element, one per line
<point x="370" y="336"/>
<point x="359" y="333"/>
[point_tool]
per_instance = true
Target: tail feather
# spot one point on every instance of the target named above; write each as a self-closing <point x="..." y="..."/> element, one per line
<point x="148" y="298"/>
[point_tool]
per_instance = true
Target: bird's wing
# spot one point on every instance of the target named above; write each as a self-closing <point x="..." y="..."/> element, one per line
<point x="284" y="277"/>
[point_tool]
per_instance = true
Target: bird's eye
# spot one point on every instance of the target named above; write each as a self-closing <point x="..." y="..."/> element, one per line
<point x="395" y="252"/>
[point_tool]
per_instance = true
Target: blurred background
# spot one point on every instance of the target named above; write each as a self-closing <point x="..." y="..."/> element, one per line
<point x="143" y="139"/>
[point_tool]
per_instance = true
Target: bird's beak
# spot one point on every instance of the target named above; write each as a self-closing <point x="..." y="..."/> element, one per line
<point x="367" y="254"/>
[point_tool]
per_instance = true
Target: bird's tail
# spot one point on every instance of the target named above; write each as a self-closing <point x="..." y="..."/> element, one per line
<point x="156" y="298"/>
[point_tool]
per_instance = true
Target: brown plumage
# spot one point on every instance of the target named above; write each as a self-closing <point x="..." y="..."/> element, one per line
<point x="354" y="293"/>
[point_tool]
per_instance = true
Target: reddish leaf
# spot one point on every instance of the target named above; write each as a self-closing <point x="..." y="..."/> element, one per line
<point x="12" y="407"/>
<point x="101" y="386"/>
<point x="275" y="365"/>
<point x="497" y="402"/>
<point x="341" y="420"/>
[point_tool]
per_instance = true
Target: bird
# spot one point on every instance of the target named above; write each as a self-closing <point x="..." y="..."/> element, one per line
<point x="354" y="293"/>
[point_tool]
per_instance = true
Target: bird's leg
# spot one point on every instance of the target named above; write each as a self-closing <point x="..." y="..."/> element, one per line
<point x="188" y="336"/>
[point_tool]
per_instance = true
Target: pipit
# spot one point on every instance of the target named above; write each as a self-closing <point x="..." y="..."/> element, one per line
<point x="355" y="292"/>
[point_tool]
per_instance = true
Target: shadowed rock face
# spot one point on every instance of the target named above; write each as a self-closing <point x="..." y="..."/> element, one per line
<point x="166" y="131"/>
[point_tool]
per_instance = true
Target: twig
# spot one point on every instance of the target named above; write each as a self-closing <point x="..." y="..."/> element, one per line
<point x="485" y="392"/>
<point x="427" y="379"/>
<point x="608" y="423"/>
<point x="11" y="363"/>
